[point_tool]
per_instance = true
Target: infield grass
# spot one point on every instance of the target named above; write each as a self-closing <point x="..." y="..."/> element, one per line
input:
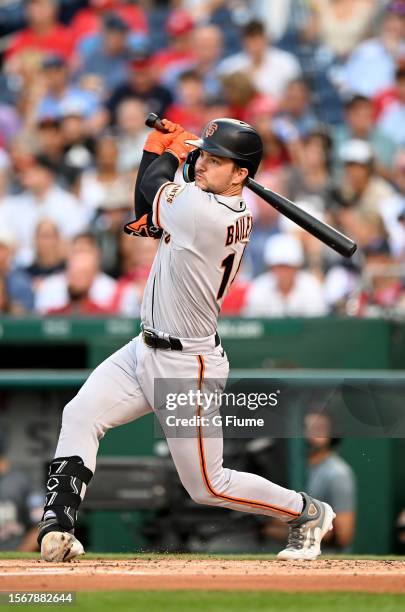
<point x="228" y="601"/>
<point x="190" y="556"/>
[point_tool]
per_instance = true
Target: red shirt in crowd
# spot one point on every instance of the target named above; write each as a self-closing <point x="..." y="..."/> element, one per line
<point x="191" y="120"/>
<point x="235" y="300"/>
<point x="384" y="99"/>
<point x="168" y="58"/>
<point x="58" y="40"/>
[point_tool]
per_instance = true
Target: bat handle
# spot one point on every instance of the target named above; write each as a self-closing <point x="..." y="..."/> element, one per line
<point x="153" y="121"/>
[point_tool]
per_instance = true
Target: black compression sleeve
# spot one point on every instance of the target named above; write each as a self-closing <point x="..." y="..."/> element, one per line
<point x="160" y="171"/>
<point x="142" y="206"/>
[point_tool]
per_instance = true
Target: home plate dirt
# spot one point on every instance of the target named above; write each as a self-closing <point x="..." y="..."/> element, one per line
<point x="322" y="575"/>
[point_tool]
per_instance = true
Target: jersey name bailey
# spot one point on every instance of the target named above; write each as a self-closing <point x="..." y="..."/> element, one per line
<point x="239" y="231"/>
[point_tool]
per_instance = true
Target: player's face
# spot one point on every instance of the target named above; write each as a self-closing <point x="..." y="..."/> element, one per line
<point x="218" y="175"/>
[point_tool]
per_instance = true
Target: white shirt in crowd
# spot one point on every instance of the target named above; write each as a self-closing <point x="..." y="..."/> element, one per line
<point x="52" y="292"/>
<point x="306" y="298"/>
<point x="21" y="214"/>
<point x="272" y="76"/>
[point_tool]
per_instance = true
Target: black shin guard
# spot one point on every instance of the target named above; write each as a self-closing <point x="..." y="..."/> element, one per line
<point x="66" y="476"/>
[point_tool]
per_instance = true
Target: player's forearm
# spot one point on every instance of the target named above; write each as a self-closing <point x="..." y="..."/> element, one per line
<point x="142" y="206"/>
<point x="160" y="171"/>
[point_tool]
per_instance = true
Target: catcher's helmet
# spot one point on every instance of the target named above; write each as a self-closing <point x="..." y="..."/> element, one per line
<point x="230" y="138"/>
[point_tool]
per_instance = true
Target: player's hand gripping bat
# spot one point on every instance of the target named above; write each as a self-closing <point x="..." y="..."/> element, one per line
<point x="324" y="232"/>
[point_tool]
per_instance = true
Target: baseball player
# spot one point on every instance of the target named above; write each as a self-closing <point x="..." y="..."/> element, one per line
<point x="203" y="227"/>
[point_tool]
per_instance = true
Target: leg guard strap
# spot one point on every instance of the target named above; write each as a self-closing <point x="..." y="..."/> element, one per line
<point x="66" y="476"/>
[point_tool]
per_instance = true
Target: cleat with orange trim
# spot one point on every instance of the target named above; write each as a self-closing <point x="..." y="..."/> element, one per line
<point x="306" y="531"/>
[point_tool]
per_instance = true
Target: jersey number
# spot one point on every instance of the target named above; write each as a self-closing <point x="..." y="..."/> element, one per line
<point x="227" y="265"/>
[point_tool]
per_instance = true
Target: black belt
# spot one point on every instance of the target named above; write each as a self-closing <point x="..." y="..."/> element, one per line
<point x="152" y="340"/>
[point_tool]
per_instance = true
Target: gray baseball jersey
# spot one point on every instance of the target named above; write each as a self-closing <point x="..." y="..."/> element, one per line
<point x="198" y="257"/>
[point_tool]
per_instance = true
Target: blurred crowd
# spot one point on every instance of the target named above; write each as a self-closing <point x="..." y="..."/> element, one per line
<point x="322" y="80"/>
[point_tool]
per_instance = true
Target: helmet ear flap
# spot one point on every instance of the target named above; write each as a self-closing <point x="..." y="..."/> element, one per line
<point x="189" y="166"/>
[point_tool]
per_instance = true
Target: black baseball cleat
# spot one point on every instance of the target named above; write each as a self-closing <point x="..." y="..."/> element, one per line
<point x="306" y="531"/>
<point x="58" y="546"/>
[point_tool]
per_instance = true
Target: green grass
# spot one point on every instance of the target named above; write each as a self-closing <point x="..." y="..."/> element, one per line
<point x="187" y="556"/>
<point x="218" y="601"/>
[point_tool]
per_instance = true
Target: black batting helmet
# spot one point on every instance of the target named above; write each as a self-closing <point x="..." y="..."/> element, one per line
<point x="230" y="138"/>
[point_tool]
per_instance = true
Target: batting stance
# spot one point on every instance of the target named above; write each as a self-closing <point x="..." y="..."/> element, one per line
<point x="203" y="227"/>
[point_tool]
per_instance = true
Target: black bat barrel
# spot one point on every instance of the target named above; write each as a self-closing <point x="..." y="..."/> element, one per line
<point x="324" y="232"/>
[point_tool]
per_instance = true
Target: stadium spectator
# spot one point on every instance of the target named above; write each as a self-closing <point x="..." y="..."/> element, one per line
<point x="392" y="119"/>
<point x="189" y="110"/>
<point x="10" y="123"/>
<point x="208" y="50"/>
<point x="399" y="174"/>
<point x="259" y="60"/>
<point x="81" y="273"/>
<point x="21" y="154"/>
<point x="244" y="101"/>
<point x="143" y="85"/>
<point x="20" y="505"/>
<point x="4" y="297"/>
<point x="286" y="289"/>
<point x="208" y="43"/>
<point x="42" y="197"/>
<point x="83" y="288"/>
<point x="88" y="20"/>
<point x="95" y="181"/>
<point x="295" y="106"/>
<point x="310" y="179"/>
<point x="112" y="214"/>
<point x="131" y="133"/>
<point x="277" y="16"/>
<point x="106" y="55"/>
<point x="340" y="25"/>
<point x="360" y="124"/>
<point x="266" y="221"/>
<point x="180" y="52"/>
<point x="331" y="478"/>
<point x="49" y="252"/>
<point x="382" y="291"/>
<point x="79" y="144"/>
<point x="16" y="286"/>
<point x="202" y="10"/>
<point x="371" y="66"/>
<point x="59" y="92"/>
<point x="50" y="144"/>
<point x="342" y="284"/>
<point x="5" y="175"/>
<point x="360" y="186"/>
<point x="44" y="34"/>
<point x="136" y="257"/>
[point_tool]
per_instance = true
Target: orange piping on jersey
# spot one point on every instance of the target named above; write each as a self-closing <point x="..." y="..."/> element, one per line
<point x="203" y="466"/>
<point x="158" y="206"/>
<point x="158" y="202"/>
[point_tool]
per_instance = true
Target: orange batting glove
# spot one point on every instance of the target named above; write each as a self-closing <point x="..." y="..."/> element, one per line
<point x="180" y="148"/>
<point x="158" y="142"/>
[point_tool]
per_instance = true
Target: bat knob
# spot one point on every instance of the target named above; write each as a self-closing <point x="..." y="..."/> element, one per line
<point x="153" y="121"/>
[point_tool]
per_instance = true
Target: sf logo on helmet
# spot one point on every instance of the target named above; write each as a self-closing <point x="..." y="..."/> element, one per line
<point x="210" y="130"/>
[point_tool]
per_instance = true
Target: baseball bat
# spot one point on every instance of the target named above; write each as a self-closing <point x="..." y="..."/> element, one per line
<point x="325" y="233"/>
